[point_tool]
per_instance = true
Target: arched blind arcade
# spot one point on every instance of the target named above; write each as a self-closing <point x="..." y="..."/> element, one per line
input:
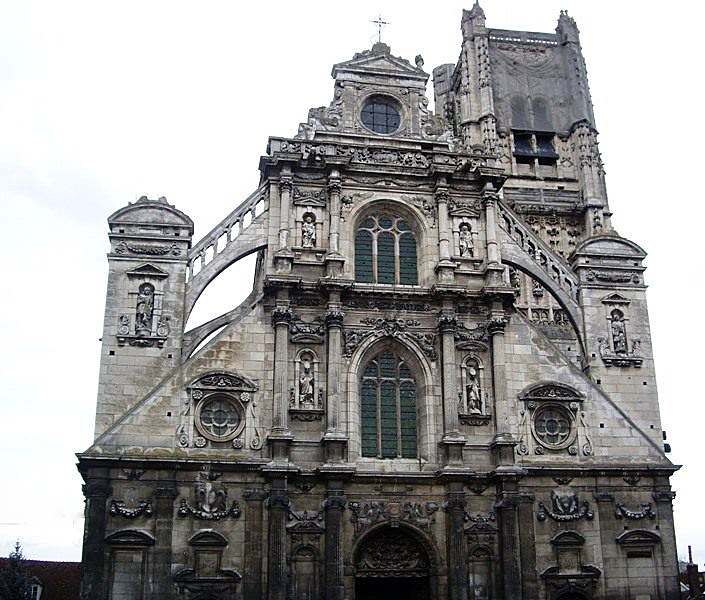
<point x="385" y="251"/>
<point x="388" y="410"/>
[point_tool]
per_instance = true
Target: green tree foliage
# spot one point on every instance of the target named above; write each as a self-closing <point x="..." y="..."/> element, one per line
<point x="15" y="580"/>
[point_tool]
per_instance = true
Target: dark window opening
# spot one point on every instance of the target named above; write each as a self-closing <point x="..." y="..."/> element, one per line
<point x="380" y="116"/>
<point x="385" y="251"/>
<point x="388" y="408"/>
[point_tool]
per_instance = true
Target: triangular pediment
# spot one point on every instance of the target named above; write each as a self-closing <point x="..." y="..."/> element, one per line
<point x="615" y="299"/>
<point x="147" y="270"/>
<point x="379" y="61"/>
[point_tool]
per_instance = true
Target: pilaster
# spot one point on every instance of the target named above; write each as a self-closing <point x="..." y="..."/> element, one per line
<point x="162" y="583"/>
<point x="456" y="543"/>
<point x="334" y="506"/>
<point x="96" y="491"/>
<point x="252" y="576"/>
<point x="278" y="504"/>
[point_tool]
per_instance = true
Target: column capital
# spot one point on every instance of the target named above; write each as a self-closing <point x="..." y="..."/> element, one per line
<point x="335" y="502"/>
<point x="334" y="318"/>
<point x="281" y="315"/>
<point x="447" y="322"/>
<point x="94" y="489"/>
<point x="496" y="324"/>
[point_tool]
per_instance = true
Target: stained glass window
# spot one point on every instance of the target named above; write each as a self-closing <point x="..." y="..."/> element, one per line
<point x="380" y="115"/>
<point x="388" y="408"/>
<point x="385" y="251"/>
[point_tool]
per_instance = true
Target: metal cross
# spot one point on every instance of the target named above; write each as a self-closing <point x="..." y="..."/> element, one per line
<point x="380" y="23"/>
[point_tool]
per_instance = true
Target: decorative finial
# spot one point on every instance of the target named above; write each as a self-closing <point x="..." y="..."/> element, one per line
<point x="419" y="61"/>
<point x="380" y="23"/>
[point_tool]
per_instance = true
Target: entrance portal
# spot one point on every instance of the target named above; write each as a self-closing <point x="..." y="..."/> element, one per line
<point x="391" y="563"/>
<point x="388" y="588"/>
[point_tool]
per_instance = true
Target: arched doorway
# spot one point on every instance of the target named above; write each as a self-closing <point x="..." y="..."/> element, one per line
<point x="391" y="563"/>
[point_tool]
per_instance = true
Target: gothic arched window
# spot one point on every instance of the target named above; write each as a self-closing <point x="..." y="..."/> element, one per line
<point x="385" y="251"/>
<point x="388" y="408"/>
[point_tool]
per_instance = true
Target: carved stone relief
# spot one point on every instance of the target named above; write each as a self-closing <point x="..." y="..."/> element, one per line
<point x="565" y="507"/>
<point x="390" y="327"/>
<point x="366" y="514"/>
<point x="210" y="500"/>
<point x="143" y="508"/>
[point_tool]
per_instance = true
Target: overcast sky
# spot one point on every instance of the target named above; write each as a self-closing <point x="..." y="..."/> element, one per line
<point x="101" y="103"/>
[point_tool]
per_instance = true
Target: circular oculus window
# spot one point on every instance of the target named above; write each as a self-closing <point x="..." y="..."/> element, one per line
<point x="553" y="426"/>
<point x="380" y="114"/>
<point x="218" y="418"/>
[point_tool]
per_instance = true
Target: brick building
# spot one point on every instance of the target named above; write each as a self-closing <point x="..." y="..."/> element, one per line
<point x="441" y="385"/>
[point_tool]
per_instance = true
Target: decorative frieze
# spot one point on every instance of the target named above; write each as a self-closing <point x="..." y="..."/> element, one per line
<point x="366" y="514"/>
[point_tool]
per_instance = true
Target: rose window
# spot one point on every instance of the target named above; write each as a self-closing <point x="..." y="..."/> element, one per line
<point x="218" y="418"/>
<point x="553" y="426"/>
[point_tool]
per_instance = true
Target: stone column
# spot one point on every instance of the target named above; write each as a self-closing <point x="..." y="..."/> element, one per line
<point x="503" y="443"/>
<point x="490" y="200"/>
<point x="452" y="439"/>
<point x="443" y="226"/>
<point x="93" y="567"/>
<point x="278" y="569"/>
<point x="252" y="583"/>
<point x="162" y="583"/>
<point x="334" y="189"/>
<point x="457" y="547"/>
<point x="334" y="505"/>
<point x="334" y="324"/>
<point x="285" y="186"/>
<point x="446" y="267"/>
<point x="507" y="512"/>
<point x="280" y="436"/>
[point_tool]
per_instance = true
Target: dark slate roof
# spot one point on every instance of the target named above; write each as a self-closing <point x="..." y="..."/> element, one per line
<point x="59" y="580"/>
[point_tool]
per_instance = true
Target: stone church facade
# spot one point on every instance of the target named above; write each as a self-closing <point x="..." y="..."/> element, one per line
<point x="442" y="383"/>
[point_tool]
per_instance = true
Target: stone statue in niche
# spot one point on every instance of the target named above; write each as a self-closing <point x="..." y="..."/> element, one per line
<point x="619" y="336"/>
<point x="306" y="382"/>
<point x="144" y="310"/>
<point x="465" y="240"/>
<point x="472" y="391"/>
<point x="308" y="231"/>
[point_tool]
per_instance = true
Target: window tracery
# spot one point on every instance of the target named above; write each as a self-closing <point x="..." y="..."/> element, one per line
<point x="385" y="251"/>
<point x="388" y="408"/>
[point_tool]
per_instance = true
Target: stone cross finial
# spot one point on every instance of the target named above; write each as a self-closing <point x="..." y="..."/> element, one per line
<point x="380" y="23"/>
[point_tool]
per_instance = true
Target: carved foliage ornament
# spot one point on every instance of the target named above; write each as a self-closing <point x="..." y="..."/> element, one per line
<point x="118" y="509"/>
<point x="644" y="511"/>
<point x="390" y="327"/>
<point x="126" y="248"/>
<point x="366" y="514"/>
<point x="392" y="554"/>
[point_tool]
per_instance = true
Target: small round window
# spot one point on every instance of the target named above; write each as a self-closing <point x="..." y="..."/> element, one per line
<point x="380" y="115"/>
<point x="553" y="426"/>
<point x="218" y="418"/>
